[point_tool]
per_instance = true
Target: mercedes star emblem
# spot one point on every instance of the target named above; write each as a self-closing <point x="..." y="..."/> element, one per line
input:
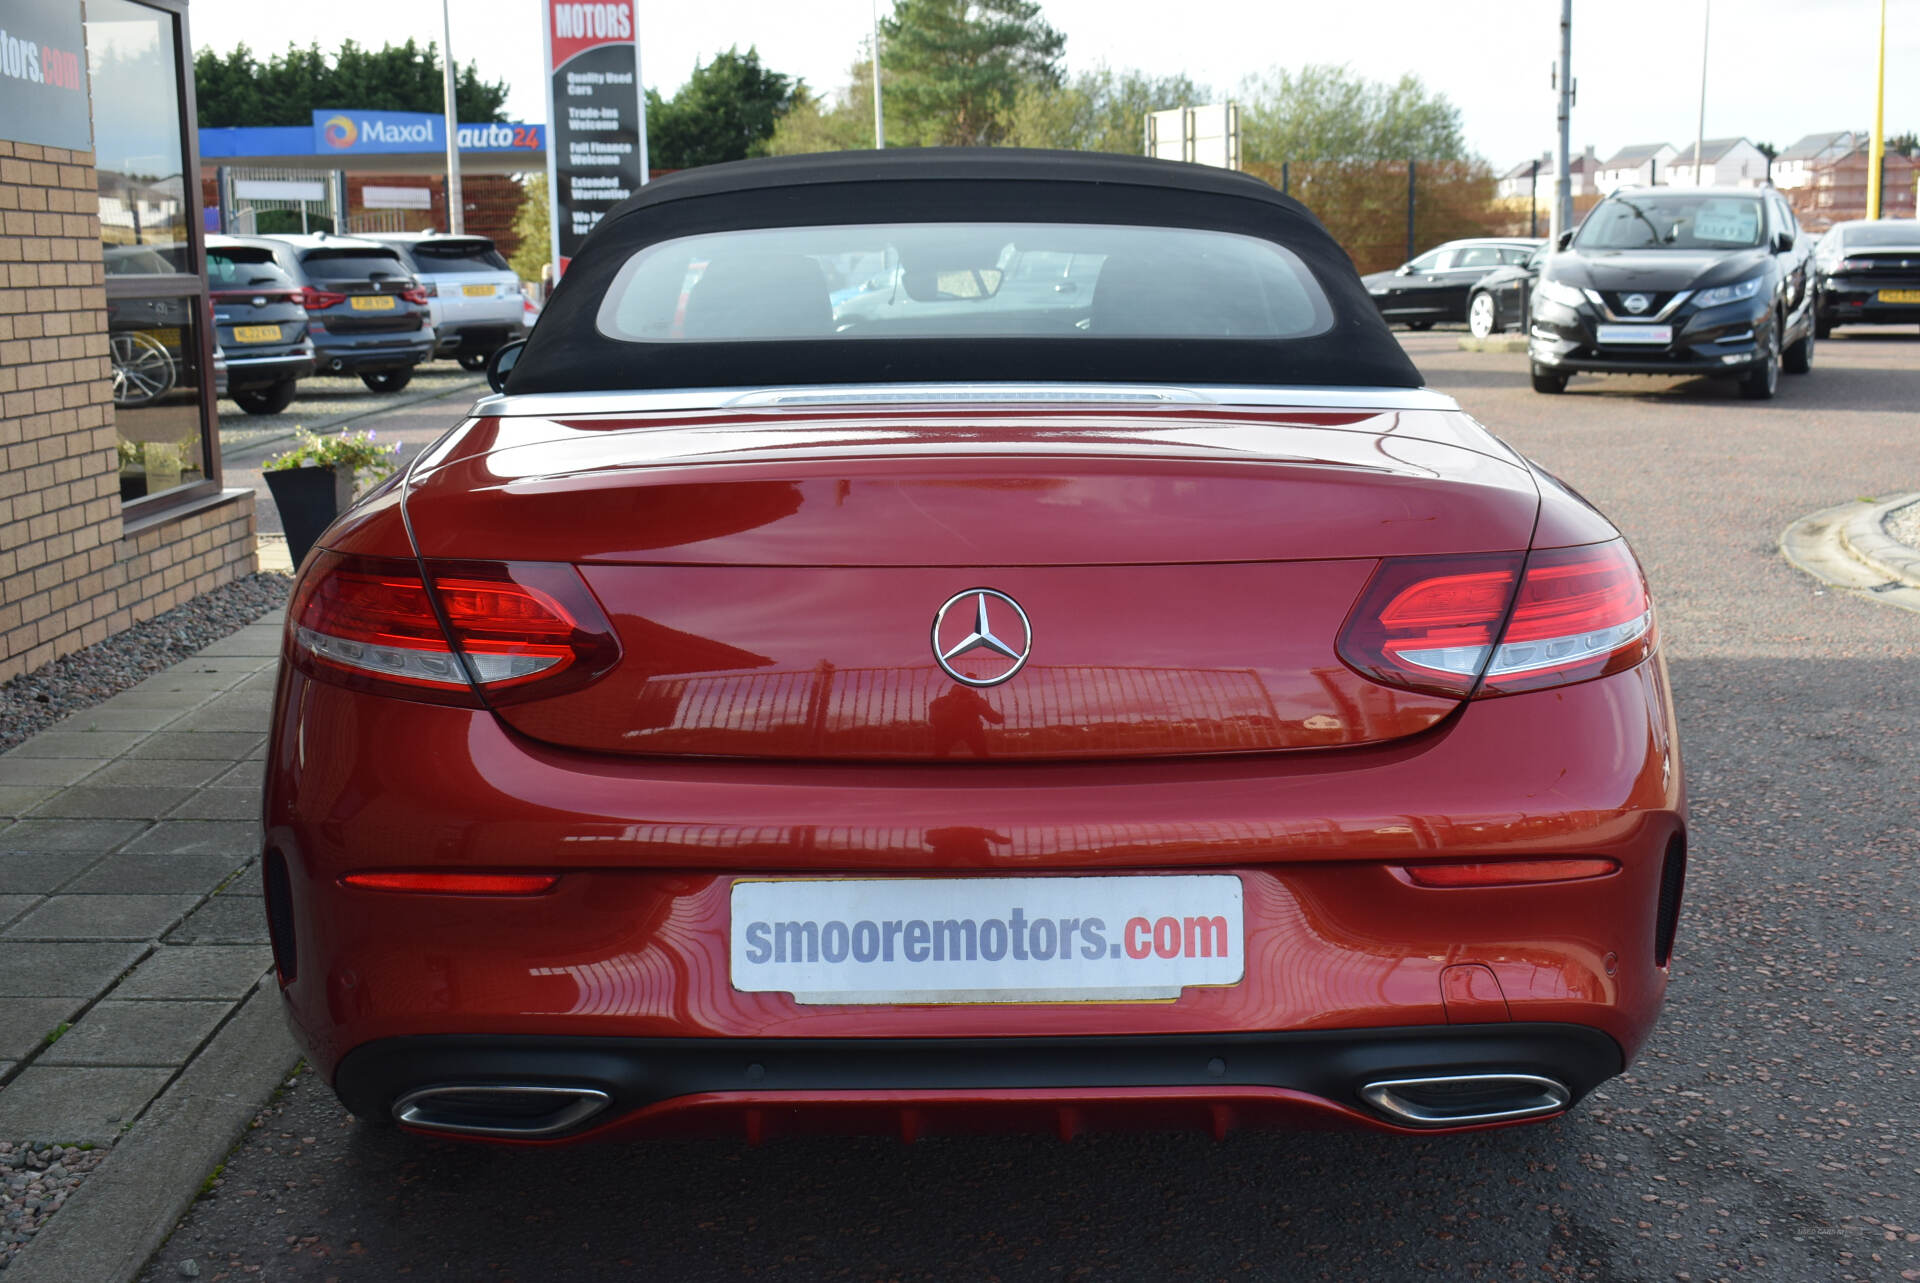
<point x="980" y="655"/>
<point x="1636" y="303"/>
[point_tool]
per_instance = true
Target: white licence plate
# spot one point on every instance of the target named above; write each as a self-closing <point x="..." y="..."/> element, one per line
<point x="975" y="940"/>
<point x="1655" y="334"/>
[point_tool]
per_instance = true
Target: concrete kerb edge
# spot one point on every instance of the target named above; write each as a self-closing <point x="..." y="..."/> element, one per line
<point x="113" y="1225"/>
<point x="1865" y="536"/>
<point x="1847" y="547"/>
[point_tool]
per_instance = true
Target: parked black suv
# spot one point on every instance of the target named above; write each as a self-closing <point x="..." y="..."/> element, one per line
<point x="366" y="314"/>
<point x="258" y="323"/>
<point x="1868" y="273"/>
<point x="1669" y="280"/>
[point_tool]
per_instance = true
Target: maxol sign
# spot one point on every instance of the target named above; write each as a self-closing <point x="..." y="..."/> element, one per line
<point x="346" y="132"/>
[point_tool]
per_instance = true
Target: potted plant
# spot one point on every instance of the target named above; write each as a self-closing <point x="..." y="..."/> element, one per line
<point x="315" y="481"/>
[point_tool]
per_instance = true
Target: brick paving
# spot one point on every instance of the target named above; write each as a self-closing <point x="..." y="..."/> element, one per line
<point x="130" y="920"/>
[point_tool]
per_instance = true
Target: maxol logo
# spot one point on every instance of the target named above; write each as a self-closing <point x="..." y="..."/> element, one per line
<point x="339" y="131"/>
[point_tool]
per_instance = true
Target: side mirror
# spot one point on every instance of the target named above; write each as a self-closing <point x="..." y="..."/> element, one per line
<point x="1564" y="239"/>
<point x="501" y="363"/>
<point x="1405" y="269"/>
<point x="1782" y="242"/>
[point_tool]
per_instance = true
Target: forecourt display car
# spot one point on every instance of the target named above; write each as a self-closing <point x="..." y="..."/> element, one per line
<point x="1143" y="705"/>
<point x="1703" y="280"/>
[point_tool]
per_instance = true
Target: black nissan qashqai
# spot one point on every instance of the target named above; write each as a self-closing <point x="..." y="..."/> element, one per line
<point x="1665" y="280"/>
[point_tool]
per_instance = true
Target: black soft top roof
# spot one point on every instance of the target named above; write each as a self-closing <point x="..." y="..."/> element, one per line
<point x="568" y="352"/>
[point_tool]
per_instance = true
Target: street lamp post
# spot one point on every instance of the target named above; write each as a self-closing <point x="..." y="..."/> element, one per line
<point x="1700" y="123"/>
<point x="879" y="123"/>
<point x="1877" y="158"/>
<point x="456" y="204"/>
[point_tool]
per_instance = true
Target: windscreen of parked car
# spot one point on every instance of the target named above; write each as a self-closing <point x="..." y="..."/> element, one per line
<point x="972" y="280"/>
<point x="445" y="258"/>
<point x="242" y="267"/>
<point x="351" y="264"/>
<point x="1870" y="235"/>
<point x="1672" y="222"/>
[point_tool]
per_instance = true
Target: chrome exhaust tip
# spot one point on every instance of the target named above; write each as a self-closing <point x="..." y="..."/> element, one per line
<point x="496" y="1110"/>
<point x="1460" y="1100"/>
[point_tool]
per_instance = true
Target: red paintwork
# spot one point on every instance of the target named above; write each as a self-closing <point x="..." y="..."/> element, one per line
<point x="751" y="564"/>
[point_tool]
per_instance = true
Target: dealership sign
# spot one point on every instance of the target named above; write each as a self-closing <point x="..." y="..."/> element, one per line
<point x="43" y="75"/>
<point x="346" y="132"/>
<point x="597" y="115"/>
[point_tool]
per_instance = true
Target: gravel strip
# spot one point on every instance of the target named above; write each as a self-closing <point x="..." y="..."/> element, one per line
<point x="34" y="701"/>
<point x="34" y="1181"/>
<point x="1904" y="524"/>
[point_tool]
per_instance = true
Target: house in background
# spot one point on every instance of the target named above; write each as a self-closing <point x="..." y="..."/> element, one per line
<point x="1518" y="182"/>
<point x="1794" y="167"/>
<point x="1641" y="165"/>
<point x="1731" y="162"/>
<point x="1836" y="189"/>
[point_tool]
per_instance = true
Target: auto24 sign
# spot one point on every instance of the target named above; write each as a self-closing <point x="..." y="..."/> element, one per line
<point x="597" y="135"/>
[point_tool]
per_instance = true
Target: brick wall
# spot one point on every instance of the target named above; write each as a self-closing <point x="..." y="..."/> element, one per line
<point x="69" y="574"/>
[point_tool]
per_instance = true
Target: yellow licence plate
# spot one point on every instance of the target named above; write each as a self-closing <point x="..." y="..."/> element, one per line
<point x="256" y="333"/>
<point x="371" y="302"/>
<point x="170" y="335"/>
<point x="477" y="291"/>
<point x="1900" y="296"/>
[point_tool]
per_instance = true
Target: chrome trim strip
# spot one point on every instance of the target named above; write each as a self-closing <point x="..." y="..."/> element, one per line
<point x="414" y="1108"/>
<point x="1550" y="1097"/>
<point x="651" y="401"/>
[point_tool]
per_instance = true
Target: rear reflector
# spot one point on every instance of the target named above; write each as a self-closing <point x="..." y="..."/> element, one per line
<point x="371" y="623"/>
<point x="455" y="883"/>
<point x="1431" y="623"/>
<point x="1497" y="873"/>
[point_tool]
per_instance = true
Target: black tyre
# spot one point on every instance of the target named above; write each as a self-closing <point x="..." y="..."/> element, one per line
<point x="1483" y="315"/>
<point x="1799" y="357"/>
<point x="1419" y="325"/>
<point x="1822" y="328"/>
<point x="475" y="361"/>
<point x="1763" y="380"/>
<point x="268" y="400"/>
<point x="387" y="380"/>
<point x="1548" y="381"/>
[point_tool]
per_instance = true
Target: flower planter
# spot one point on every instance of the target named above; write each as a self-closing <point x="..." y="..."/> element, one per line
<point x="309" y="499"/>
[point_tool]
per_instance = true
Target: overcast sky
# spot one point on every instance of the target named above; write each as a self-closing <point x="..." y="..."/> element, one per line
<point x="1778" y="69"/>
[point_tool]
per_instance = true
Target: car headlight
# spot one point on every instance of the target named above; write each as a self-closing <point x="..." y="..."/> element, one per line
<point x="1559" y="292"/>
<point x="1733" y="293"/>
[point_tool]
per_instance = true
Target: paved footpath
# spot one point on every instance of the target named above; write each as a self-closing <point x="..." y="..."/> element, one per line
<point x="130" y="922"/>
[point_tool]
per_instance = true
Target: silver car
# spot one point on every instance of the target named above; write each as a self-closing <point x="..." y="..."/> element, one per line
<point x="475" y="298"/>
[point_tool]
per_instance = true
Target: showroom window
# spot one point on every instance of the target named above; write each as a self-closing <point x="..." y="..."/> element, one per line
<point x="157" y="306"/>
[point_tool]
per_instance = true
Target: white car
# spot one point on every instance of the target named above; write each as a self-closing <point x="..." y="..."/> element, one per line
<point x="476" y="300"/>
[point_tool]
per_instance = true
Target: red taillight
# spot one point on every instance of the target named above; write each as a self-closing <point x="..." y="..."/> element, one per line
<point x="1496" y="873"/>
<point x="455" y="883"/>
<point x="371" y="623"/>
<point x="1430" y="623"/>
<point x="313" y="300"/>
<point x="418" y="294"/>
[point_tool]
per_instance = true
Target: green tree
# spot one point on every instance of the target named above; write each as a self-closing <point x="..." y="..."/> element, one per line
<point x="1098" y="110"/>
<point x="842" y="123"/>
<point x="727" y="110"/>
<point x="286" y="89"/>
<point x="1327" y="113"/>
<point x="531" y="226"/>
<point x="954" y="68"/>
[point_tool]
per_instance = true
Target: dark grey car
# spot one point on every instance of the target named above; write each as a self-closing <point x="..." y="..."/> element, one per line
<point x="366" y="314"/>
<point x="259" y="323"/>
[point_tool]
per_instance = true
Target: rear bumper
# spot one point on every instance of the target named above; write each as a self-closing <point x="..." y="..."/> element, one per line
<point x="463" y="337"/>
<point x="245" y="372"/>
<point x="1839" y="306"/>
<point x="365" y="356"/>
<point x="766" y="1086"/>
<point x="632" y="943"/>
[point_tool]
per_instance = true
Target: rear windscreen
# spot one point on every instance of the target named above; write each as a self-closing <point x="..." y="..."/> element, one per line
<point x="241" y="268"/>
<point x="435" y="258"/>
<point x="351" y="264"/>
<point x="973" y="280"/>
<point x="1869" y="235"/>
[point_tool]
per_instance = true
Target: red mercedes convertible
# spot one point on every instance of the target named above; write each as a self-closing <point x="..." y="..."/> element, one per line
<point x="949" y="639"/>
